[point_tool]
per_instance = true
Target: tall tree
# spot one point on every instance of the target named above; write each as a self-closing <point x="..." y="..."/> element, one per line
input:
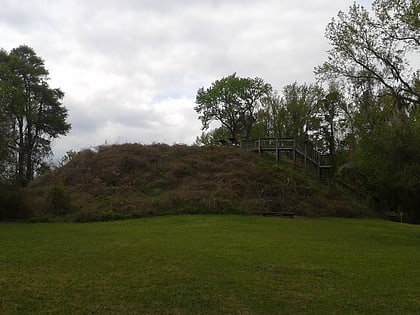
<point x="377" y="48"/>
<point x="233" y="102"/>
<point x="388" y="155"/>
<point x="4" y="143"/>
<point x="5" y="123"/>
<point x="35" y="110"/>
<point x="332" y="123"/>
<point x="301" y="102"/>
<point x="273" y="117"/>
<point x="371" y="55"/>
<point x="293" y="113"/>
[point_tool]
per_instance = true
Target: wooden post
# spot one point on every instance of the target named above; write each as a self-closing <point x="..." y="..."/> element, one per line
<point x="319" y="166"/>
<point x="306" y="153"/>
<point x="259" y="146"/>
<point x="277" y="150"/>
<point x="294" y="152"/>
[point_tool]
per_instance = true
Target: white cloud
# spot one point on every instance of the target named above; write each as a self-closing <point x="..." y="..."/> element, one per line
<point x="130" y="69"/>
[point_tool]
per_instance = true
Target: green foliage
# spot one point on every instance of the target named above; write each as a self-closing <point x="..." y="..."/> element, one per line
<point x="5" y="125"/>
<point x="390" y="159"/>
<point x="33" y="110"/>
<point x="299" y="104"/>
<point x="213" y="137"/>
<point x="69" y="156"/>
<point x="233" y="102"/>
<point x="59" y="201"/>
<point x="307" y="112"/>
<point x="376" y="48"/>
<point x="98" y="216"/>
<point x="208" y="264"/>
<point x="370" y="58"/>
<point x="5" y="141"/>
<point x="333" y="115"/>
<point x="13" y="203"/>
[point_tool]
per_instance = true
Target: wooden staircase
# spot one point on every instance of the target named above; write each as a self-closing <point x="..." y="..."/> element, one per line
<point x="301" y="153"/>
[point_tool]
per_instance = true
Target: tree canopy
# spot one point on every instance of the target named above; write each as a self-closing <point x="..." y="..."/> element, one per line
<point x="372" y="59"/>
<point x="32" y="110"/>
<point x="233" y="102"/>
<point x="377" y="48"/>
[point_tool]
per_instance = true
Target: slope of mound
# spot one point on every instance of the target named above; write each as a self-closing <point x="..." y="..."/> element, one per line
<point x="133" y="180"/>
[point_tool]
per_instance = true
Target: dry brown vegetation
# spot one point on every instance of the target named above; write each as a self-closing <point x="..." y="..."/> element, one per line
<point x="133" y="180"/>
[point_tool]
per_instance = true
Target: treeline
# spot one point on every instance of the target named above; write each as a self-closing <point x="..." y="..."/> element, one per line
<point x="362" y="110"/>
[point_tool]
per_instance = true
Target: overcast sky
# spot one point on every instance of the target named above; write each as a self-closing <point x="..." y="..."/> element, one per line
<point x="130" y="69"/>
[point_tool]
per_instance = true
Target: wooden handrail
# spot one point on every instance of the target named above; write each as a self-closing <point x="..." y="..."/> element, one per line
<point x="304" y="149"/>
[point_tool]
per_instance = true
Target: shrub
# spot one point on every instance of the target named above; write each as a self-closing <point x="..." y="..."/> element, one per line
<point x="95" y="216"/>
<point x="13" y="205"/>
<point x="39" y="220"/>
<point x="87" y="216"/>
<point x="59" y="201"/>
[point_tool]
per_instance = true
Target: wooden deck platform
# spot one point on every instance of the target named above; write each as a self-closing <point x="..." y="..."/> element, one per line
<point x="295" y="149"/>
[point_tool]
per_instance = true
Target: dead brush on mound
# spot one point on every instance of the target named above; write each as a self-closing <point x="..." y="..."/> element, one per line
<point x="133" y="180"/>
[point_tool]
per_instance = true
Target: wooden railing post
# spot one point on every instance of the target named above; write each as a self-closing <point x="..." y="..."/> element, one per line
<point x="320" y="164"/>
<point x="299" y="150"/>
<point x="319" y="167"/>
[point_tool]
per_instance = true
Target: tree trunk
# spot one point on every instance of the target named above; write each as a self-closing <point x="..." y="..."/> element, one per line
<point x="29" y="148"/>
<point x="21" y="154"/>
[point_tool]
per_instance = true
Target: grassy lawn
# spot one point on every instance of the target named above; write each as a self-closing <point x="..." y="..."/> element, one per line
<point x="211" y="265"/>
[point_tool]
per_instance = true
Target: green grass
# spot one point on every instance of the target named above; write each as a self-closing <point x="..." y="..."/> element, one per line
<point x="211" y="264"/>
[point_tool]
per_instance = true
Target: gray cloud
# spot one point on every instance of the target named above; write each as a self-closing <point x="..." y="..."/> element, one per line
<point x="130" y="69"/>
